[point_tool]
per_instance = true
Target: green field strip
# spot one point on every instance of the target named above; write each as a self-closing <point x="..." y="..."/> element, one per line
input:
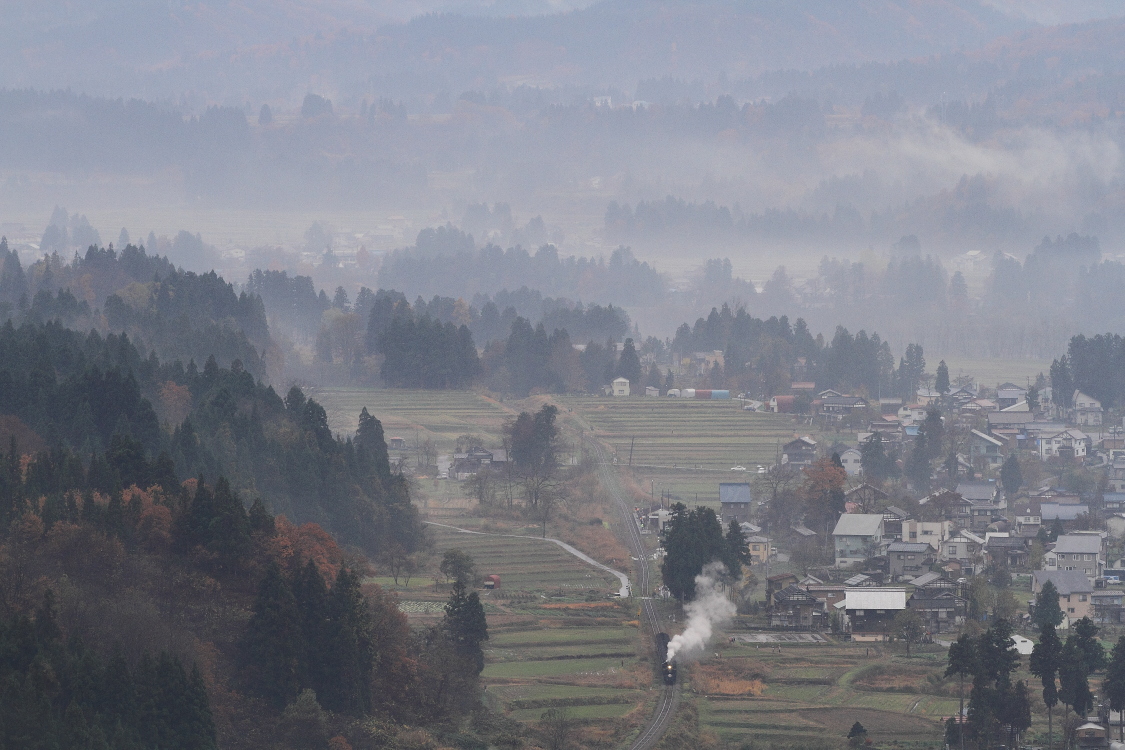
<point x="544" y="653"/>
<point x="550" y="668"/>
<point x="540" y="691"/>
<point x="546" y="636"/>
<point x="611" y="711"/>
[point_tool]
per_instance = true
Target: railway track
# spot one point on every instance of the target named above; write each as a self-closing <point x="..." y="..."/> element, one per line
<point x="669" y="699"/>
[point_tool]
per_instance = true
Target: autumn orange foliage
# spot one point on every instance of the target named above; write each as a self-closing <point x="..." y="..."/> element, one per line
<point x="308" y="541"/>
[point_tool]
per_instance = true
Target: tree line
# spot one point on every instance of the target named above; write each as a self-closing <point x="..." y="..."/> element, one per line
<point x="175" y="313"/>
<point x="84" y="407"/>
<point x="59" y="692"/>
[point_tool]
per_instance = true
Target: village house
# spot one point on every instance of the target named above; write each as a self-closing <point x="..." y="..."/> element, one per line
<point x="1011" y="551"/>
<point x="963" y="547"/>
<point x="982" y="492"/>
<point x="1087" y="410"/>
<point x="620" y="387"/>
<point x="912" y="414"/>
<point x="908" y="559"/>
<point x="937" y="603"/>
<point x="852" y="460"/>
<point x="932" y="533"/>
<point x="1066" y="514"/>
<point x="985" y="451"/>
<point x="1113" y="502"/>
<point x="1074" y="589"/>
<point x="873" y="610"/>
<point x="831" y="594"/>
<point x="1116" y="477"/>
<point x="735" y="502"/>
<point x="961" y="397"/>
<point x="864" y="498"/>
<point x="759" y="548"/>
<point x="892" y="523"/>
<point x="470" y="462"/>
<point x="1028" y="519"/>
<point x="837" y="408"/>
<point x="1068" y="444"/>
<point x="984" y="515"/>
<point x="951" y="506"/>
<point x="1009" y="394"/>
<point x="796" y="609"/>
<point x="857" y="536"/>
<point x="1108" y="606"/>
<point x="1076" y="552"/>
<point x="1015" y="420"/>
<point x="799" y="452"/>
<point x="776" y="583"/>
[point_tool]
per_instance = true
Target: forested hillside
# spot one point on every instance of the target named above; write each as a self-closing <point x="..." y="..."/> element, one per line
<point x="173" y="313"/>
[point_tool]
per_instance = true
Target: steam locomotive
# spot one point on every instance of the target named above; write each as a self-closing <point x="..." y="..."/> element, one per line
<point x="667" y="668"/>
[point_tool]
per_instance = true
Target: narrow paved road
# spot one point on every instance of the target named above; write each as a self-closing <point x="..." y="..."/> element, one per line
<point x="669" y="701"/>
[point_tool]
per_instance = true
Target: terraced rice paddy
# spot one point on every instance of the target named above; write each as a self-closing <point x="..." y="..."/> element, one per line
<point x="683" y="432"/>
<point x="684" y="447"/>
<point x="811" y="696"/>
<point x="441" y="416"/>
<point x="556" y="640"/>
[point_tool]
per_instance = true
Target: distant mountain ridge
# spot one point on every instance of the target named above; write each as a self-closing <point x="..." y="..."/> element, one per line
<point x="261" y="50"/>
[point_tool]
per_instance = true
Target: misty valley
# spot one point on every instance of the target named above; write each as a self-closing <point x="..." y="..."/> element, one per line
<point x="558" y="374"/>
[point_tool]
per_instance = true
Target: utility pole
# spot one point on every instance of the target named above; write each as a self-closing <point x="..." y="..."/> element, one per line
<point x="631" y="442"/>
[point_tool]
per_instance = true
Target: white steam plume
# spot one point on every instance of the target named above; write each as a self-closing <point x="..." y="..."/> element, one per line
<point x="709" y="608"/>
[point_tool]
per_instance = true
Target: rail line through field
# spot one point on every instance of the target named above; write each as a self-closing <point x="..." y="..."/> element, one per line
<point x="669" y="699"/>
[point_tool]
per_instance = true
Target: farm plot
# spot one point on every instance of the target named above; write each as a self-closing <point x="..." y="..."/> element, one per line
<point x="815" y="692"/>
<point x="556" y="641"/>
<point x="526" y="564"/>
<point x="715" y="435"/>
<point x="684" y="448"/>
<point x="441" y="416"/>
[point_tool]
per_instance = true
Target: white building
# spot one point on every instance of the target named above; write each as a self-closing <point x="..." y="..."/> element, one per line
<point x="933" y="533"/>
<point x="852" y="461"/>
<point x="1087" y="409"/>
<point x="621" y="387"/>
<point x="857" y="536"/>
<point x="1069" y="442"/>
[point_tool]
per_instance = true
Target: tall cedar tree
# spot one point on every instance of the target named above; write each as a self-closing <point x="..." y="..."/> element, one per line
<point x="629" y="365"/>
<point x="737" y="551"/>
<point x="1074" y="682"/>
<point x="273" y="645"/>
<point x="997" y="658"/>
<point x="962" y="662"/>
<point x="691" y="540"/>
<point x="1047" y="609"/>
<point x="1011" y="476"/>
<point x="465" y="624"/>
<point x="1044" y="664"/>
<point x="941" y="381"/>
<point x="1114" y="683"/>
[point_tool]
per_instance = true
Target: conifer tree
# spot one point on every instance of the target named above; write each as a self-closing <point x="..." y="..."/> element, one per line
<point x="1044" y="664"/>
<point x="349" y="647"/>
<point x="465" y="625"/>
<point x="737" y="551"/>
<point x="274" y="642"/>
<point x="1114" y="683"/>
<point x="962" y="662"/>
<point x="1047" y="609"/>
